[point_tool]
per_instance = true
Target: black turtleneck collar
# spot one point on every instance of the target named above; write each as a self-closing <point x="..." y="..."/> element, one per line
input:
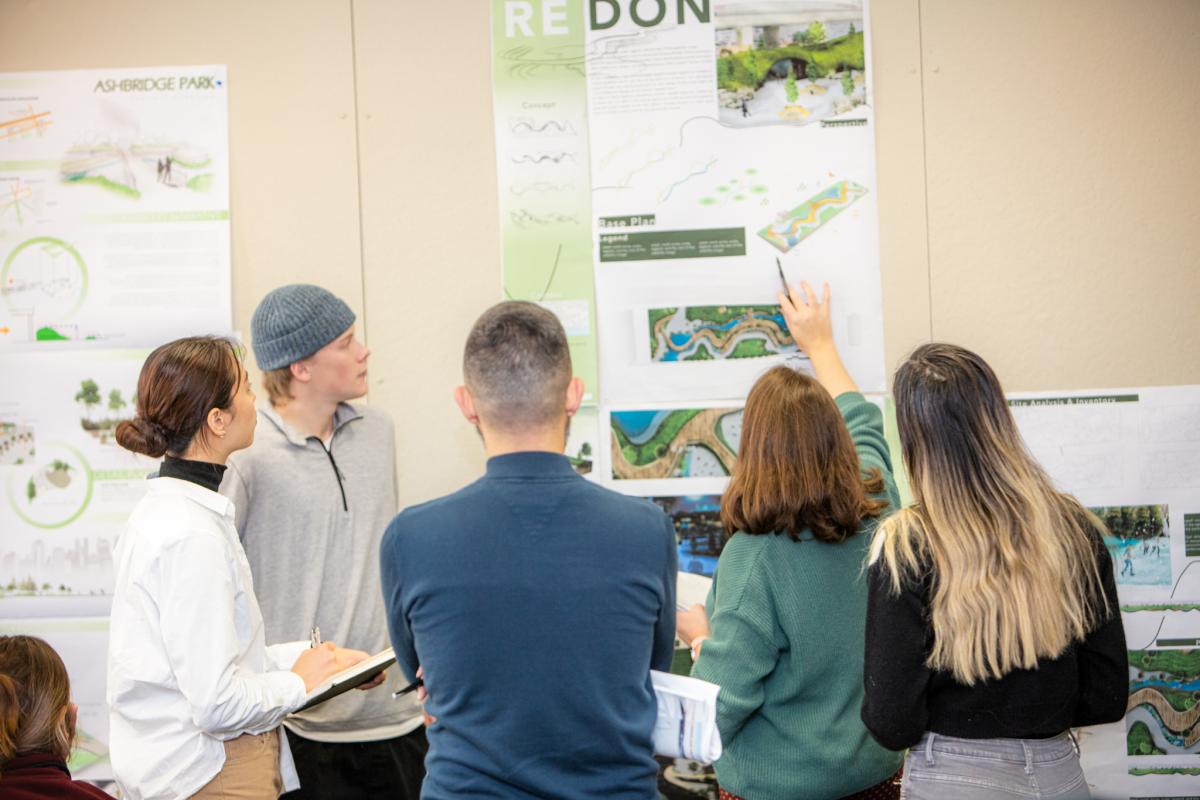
<point x="202" y="473"/>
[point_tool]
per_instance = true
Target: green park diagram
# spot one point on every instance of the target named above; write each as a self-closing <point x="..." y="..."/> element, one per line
<point x="706" y="333"/>
<point x="675" y="443"/>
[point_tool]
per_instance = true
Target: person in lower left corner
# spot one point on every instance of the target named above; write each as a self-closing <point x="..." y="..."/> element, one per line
<point x="37" y="724"/>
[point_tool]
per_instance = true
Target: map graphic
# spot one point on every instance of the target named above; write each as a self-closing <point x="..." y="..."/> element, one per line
<point x="698" y="530"/>
<point x="705" y="333"/>
<point x="807" y="218"/>
<point x="1164" y="702"/>
<point x="675" y="443"/>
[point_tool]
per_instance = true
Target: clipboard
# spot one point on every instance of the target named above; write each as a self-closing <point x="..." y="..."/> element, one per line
<point x="349" y="678"/>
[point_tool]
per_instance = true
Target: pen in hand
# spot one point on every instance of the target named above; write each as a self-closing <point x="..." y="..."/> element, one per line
<point x="315" y="637"/>
<point x="412" y="687"/>
<point x="782" y="278"/>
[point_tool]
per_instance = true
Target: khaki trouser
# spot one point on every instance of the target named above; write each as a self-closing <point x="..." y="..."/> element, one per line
<point x="251" y="770"/>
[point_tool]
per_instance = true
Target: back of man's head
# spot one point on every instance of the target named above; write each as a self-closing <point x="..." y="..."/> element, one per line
<point x="517" y="366"/>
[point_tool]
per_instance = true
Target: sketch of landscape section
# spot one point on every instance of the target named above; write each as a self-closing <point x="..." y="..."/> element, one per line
<point x="114" y="206"/>
<point x="717" y="332"/>
<point x="82" y="643"/>
<point x="66" y="487"/>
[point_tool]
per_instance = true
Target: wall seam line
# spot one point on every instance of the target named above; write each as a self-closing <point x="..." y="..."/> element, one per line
<point x="358" y="173"/>
<point x="925" y="164"/>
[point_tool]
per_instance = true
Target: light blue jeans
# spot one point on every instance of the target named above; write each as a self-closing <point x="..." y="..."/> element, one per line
<point x="949" y="768"/>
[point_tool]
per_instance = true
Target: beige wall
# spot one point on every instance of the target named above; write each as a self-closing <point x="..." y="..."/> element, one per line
<point x="1037" y="177"/>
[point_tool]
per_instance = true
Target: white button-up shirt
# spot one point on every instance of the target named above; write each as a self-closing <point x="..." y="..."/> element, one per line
<point x="188" y="667"/>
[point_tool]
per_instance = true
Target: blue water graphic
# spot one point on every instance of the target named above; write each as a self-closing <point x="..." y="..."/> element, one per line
<point x="639" y="426"/>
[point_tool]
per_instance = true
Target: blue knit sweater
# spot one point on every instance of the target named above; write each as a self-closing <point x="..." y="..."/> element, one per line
<point x="537" y="603"/>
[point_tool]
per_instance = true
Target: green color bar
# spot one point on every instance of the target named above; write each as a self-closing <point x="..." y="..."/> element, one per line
<point x="656" y="245"/>
<point x="1191" y="535"/>
<point x="1095" y="400"/>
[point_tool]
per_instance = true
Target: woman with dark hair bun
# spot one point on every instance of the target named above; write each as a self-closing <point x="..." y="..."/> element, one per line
<point x="195" y="695"/>
<point x="37" y="724"/>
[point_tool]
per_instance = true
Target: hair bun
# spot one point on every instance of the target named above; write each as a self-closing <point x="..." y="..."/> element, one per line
<point x="144" y="436"/>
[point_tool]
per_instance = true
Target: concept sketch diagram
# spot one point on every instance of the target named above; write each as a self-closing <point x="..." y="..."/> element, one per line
<point x="807" y="218"/>
<point x="675" y="443"/>
<point x="705" y="333"/>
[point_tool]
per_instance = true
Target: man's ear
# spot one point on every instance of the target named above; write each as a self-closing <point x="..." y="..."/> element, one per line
<point x="574" y="396"/>
<point x="300" y="371"/>
<point x="466" y="404"/>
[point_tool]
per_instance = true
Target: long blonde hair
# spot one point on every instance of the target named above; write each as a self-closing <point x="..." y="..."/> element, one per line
<point x="1014" y="567"/>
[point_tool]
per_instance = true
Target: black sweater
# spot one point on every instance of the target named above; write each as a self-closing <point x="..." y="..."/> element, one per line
<point x="1086" y="685"/>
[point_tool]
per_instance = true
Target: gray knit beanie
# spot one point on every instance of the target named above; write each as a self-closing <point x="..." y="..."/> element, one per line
<point x="295" y="321"/>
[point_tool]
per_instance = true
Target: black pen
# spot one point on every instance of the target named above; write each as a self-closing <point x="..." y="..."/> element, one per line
<point x="782" y="279"/>
<point x="412" y="687"/>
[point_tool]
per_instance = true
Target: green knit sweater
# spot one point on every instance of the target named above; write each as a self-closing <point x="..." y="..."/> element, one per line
<point x="786" y="648"/>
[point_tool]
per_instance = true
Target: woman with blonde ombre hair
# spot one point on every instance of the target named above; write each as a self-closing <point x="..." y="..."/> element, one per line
<point x="992" y="618"/>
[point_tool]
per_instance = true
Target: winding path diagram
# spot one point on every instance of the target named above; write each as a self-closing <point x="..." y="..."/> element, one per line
<point x="662" y="454"/>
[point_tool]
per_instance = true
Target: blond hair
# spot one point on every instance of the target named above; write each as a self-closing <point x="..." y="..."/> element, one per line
<point x="278" y="383"/>
<point x="1013" y="562"/>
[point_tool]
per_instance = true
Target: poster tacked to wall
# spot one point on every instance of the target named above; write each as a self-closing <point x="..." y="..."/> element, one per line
<point x="114" y="238"/>
<point x="114" y="206"/>
<point x="1133" y="457"/>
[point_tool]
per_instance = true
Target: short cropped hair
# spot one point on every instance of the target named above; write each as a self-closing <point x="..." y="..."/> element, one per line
<point x="517" y="365"/>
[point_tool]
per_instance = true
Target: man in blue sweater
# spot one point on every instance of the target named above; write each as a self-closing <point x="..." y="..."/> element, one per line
<point x="536" y="602"/>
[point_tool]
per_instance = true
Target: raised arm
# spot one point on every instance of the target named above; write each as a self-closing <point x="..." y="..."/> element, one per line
<point x="808" y="320"/>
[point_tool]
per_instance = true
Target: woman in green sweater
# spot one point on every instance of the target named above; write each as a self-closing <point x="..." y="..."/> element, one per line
<point x="788" y="602"/>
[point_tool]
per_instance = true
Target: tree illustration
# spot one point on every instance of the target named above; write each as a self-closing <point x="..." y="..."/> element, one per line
<point x="88" y="396"/>
<point x="586" y="449"/>
<point x="789" y="85"/>
<point x="815" y="33"/>
<point x="30" y="490"/>
<point x="115" y="401"/>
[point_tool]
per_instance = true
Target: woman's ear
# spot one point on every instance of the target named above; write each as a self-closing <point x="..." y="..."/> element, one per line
<point x="217" y="421"/>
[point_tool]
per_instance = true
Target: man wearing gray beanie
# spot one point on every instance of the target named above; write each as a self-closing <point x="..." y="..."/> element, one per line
<point x="313" y="496"/>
